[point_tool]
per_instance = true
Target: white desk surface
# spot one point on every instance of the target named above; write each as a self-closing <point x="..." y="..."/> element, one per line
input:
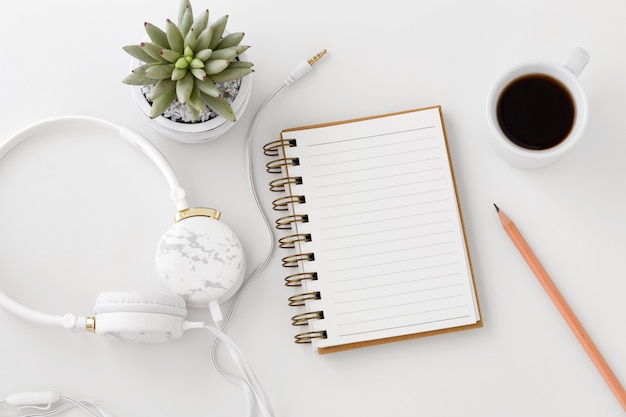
<point x="78" y="217"/>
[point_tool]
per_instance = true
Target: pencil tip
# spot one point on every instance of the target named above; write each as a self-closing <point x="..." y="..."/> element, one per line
<point x="497" y="208"/>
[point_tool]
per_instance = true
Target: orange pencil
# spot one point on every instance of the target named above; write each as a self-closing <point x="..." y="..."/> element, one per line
<point x="563" y="308"/>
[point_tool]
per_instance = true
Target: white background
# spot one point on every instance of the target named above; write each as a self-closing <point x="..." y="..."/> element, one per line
<point x="80" y="215"/>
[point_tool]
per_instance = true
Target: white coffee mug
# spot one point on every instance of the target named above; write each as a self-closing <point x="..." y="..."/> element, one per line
<point x="538" y="111"/>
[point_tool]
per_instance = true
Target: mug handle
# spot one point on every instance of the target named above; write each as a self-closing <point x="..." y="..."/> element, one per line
<point x="577" y="61"/>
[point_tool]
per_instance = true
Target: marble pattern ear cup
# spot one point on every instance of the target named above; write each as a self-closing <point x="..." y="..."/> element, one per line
<point x="201" y="259"/>
<point x="139" y="316"/>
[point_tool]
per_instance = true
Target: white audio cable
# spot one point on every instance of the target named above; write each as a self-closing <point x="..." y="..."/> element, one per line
<point x="44" y="400"/>
<point x="249" y="384"/>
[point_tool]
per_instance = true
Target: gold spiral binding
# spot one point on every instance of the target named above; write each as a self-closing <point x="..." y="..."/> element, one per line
<point x="291" y="261"/>
<point x="282" y="203"/>
<point x="278" y="185"/>
<point x="295" y="280"/>
<point x="300" y="299"/>
<point x="289" y="241"/>
<point x="308" y="337"/>
<point x="285" y="222"/>
<point x="303" y="319"/>
<point x="271" y="148"/>
<point x="276" y="166"/>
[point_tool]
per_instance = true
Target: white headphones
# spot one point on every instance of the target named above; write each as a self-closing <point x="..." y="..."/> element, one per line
<point x="199" y="259"/>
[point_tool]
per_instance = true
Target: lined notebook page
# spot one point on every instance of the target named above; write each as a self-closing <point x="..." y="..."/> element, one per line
<point x="386" y="230"/>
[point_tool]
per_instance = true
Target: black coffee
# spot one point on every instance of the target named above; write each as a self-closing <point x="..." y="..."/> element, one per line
<point x="536" y="111"/>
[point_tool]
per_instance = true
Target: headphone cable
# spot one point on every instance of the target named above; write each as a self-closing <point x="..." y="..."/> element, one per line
<point x="296" y="73"/>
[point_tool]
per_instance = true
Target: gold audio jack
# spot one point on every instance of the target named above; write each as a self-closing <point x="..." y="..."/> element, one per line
<point x="302" y="69"/>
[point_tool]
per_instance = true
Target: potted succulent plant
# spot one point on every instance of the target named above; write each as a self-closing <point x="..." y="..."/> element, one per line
<point x="190" y="78"/>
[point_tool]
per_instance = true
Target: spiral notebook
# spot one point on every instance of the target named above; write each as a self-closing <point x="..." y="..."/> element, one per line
<point x="372" y="228"/>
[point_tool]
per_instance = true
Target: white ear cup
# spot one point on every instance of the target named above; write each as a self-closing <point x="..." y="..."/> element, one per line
<point x="201" y="259"/>
<point x="139" y="316"/>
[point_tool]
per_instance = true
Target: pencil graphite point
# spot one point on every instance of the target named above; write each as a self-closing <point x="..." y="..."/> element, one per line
<point x="497" y="208"/>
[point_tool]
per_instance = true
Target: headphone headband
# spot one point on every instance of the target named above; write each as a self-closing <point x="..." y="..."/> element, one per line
<point x="177" y="193"/>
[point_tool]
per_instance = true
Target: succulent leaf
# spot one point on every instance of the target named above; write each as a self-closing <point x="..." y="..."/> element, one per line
<point x="157" y="36"/>
<point x="196" y="103"/>
<point x="220" y="106"/>
<point x="160" y="104"/>
<point x="136" y="51"/>
<point x="198" y="73"/>
<point x="218" y="30"/>
<point x="201" y="21"/>
<point x="232" y="39"/>
<point x="192" y="112"/>
<point x="230" y="74"/>
<point x="242" y="48"/>
<point x="140" y="70"/>
<point x="137" y="79"/>
<point x="227" y="53"/>
<point x="169" y="55"/>
<point x="185" y="21"/>
<point x="196" y="63"/>
<point x="159" y="72"/>
<point x="162" y="87"/>
<point x="207" y="87"/>
<point x="184" y="87"/>
<point x="174" y="37"/>
<point x="190" y="39"/>
<point x="204" y="38"/>
<point x="204" y="54"/>
<point x="184" y="6"/>
<point x="181" y="63"/>
<point x="152" y="50"/>
<point x="178" y="74"/>
<point x="240" y="64"/>
<point x="214" y="66"/>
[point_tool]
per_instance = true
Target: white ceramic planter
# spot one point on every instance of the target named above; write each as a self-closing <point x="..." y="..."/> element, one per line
<point x="200" y="131"/>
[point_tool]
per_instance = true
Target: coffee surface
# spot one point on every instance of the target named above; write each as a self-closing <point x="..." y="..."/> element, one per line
<point x="536" y="111"/>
